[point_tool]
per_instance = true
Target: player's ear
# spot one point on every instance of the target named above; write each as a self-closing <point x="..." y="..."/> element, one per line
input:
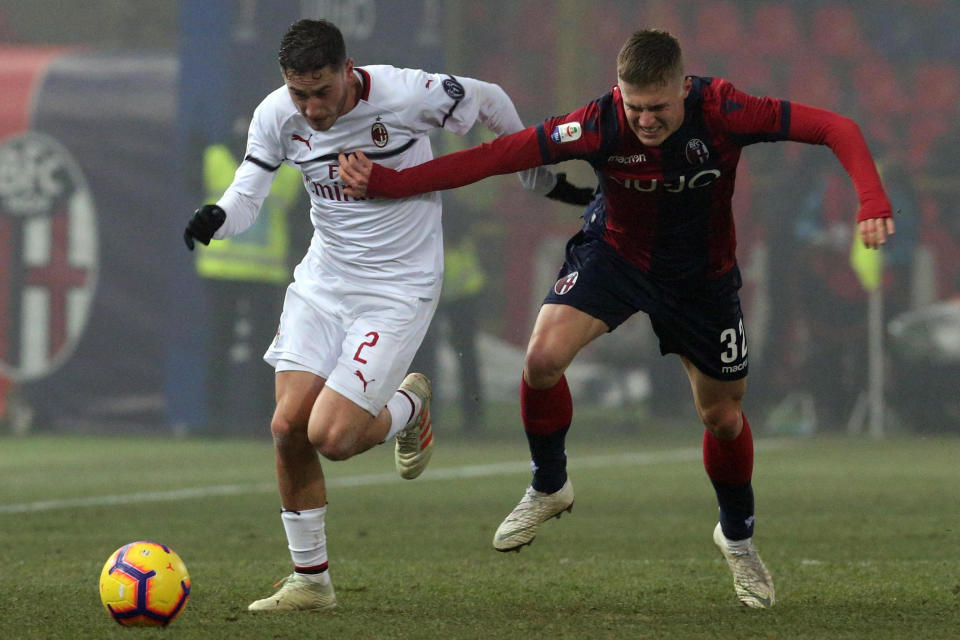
<point x="687" y="85"/>
<point x="348" y="67"/>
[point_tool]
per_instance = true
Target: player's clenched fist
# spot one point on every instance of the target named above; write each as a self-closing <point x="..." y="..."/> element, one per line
<point x="355" y="171"/>
<point x="204" y="223"/>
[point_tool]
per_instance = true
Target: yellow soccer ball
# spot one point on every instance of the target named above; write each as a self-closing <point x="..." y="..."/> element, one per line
<point x="144" y="584"/>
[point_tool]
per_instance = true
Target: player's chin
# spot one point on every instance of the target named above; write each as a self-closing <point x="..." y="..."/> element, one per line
<point x="652" y="139"/>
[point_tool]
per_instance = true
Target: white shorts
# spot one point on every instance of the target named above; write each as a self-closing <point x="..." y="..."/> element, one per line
<point x="361" y="342"/>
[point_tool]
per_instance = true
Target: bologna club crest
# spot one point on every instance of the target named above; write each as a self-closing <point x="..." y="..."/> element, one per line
<point x="697" y="152"/>
<point x="566" y="283"/>
<point x="379" y="133"/>
<point x="48" y="255"/>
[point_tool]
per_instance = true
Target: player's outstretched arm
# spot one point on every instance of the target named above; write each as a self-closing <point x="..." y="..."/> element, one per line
<point x="355" y="170"/>
<point x="507" y="154"/>
<point x="843" y="136"/>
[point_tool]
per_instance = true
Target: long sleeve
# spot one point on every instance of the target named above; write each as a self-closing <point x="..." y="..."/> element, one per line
<point x="243" y="198"/>
<point x="507" y="154"/>
<point x="843" y="136"/>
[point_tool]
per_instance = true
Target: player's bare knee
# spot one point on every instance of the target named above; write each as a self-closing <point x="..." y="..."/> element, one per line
<point x="334" y="451"/>
<point x="290" y="442"/>
<point x="541" y="369"/>
<point x="332" y="444"/>
<point x="722" y="421"/>
<point x="285" y="431"/>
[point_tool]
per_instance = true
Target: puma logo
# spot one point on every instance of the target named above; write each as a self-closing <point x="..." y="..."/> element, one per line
<point x="427" y="86"/>
<point x="363" y="380"/>
<point x="305" y="141"/>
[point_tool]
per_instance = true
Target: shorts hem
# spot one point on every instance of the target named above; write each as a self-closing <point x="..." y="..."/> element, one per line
<point x="356" y="398"/>
<point x="275" y="358"/>
<point x="730" y="377"/>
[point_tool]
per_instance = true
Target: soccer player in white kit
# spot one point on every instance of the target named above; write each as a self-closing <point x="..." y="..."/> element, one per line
<point x="364" y="294"/>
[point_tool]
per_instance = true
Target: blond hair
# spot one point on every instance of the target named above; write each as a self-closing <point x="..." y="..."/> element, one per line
<point x="650" y="57"/>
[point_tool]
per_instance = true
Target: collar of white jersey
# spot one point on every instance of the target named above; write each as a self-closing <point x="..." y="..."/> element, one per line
<point x="364" y="77"/>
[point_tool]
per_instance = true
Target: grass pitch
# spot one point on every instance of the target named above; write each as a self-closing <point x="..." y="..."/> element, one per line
<point x="862" y="537"/>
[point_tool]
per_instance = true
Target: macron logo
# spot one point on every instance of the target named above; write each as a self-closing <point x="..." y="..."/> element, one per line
<point x="568" y="132"/>
<point x="734" y="369"/>
<point x="636" y="158"/>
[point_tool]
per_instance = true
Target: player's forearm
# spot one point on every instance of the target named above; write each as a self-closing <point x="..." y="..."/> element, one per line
<point x="499" y="114"/>
<point x="504" y="155"/>
<point x="244" y="197"/>
<point x="241" y="212"/>
<point x="843" y="136"/>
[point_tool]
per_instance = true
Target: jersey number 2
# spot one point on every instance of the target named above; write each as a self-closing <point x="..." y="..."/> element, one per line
<point x="374" y="336"/>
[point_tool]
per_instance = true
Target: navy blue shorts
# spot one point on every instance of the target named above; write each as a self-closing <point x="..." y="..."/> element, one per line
<point x="700" y="320"/>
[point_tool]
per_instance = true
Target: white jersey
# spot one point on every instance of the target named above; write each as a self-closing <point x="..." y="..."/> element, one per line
<point x="385" y="244"/>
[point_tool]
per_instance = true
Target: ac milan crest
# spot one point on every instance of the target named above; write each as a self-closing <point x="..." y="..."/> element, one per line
<point x="454" y="89"/>
<point x="48" y="255"/>
<point x="697" y="152"/>
<point x="379" y="133"/>
<point x="566" y="283"/>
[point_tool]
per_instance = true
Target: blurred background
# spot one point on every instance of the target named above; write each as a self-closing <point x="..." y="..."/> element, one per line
<point x="119" y="117"/>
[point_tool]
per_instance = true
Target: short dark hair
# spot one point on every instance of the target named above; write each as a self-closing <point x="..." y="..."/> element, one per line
<point x="311" y="45"/>
<point x="650" y="57"/>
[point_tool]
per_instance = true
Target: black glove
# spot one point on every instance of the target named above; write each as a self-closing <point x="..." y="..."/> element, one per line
<point x="566" y="192"/>
<point x="204" y="223"/>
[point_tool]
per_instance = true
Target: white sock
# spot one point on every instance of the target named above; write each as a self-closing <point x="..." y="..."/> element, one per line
<point x="402" y="407"/>
<point x="307" y="542"/>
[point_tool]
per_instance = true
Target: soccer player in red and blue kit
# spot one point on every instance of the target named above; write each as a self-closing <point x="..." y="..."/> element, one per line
<point x="659" y="238"/>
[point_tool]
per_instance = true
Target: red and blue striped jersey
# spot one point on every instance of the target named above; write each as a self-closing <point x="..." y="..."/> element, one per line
<point x="666" y="209"/>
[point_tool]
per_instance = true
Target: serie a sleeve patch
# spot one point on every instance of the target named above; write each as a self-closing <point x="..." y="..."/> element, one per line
<point x="567" y="132"/>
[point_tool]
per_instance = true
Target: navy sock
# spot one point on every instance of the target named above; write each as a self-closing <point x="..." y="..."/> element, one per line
<point x="547" y="414"/>
<point x="736" y="509"/>
<point x="729" y="465"/>
<point x="548" y="452"/>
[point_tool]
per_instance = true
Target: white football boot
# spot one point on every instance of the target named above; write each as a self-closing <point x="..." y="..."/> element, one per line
<point x="298" y="594"/>
<point x="751" y="580"/>
<point x="520" y="527"/>
<point x="415" y="441"/>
